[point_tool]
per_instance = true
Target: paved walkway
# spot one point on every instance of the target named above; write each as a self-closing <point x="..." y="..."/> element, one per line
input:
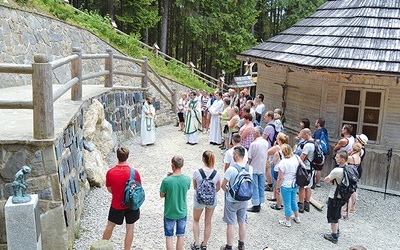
<point x="17" y="124"/>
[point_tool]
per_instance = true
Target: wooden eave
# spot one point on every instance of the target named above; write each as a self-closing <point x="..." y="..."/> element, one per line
<point x="342" y="36"/>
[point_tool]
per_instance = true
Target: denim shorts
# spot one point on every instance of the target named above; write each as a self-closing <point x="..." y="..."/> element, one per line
<point x="170" y="224"/>
<point x="234" y="212"/>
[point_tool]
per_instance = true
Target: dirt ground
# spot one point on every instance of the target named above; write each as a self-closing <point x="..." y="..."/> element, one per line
<point x="375" y="224"/>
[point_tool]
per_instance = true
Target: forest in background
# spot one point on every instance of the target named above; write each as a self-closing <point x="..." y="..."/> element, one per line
<point x="209" y="33"/>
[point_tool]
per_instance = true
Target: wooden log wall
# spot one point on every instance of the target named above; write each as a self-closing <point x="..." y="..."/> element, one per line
<point x="314" y="94"/>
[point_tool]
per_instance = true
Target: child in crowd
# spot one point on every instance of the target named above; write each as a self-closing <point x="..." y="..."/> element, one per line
<point x="174" y="189"/>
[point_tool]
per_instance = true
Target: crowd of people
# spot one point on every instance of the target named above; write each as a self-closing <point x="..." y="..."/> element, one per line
<point x="234" y="123"/>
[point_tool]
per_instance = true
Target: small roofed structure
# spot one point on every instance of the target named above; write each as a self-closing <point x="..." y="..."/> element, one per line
<point x="240" y="82"/>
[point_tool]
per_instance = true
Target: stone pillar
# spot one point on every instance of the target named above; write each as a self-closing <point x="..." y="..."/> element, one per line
<point x="23" y="225"/>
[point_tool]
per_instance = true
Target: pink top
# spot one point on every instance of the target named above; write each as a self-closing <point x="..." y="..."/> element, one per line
<point x="249" y="137"/>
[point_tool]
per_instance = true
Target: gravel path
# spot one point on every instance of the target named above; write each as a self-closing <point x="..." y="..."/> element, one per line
<point x="375" y="224"/>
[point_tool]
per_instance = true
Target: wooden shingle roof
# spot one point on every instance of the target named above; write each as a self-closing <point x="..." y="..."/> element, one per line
<point x="346" y="34"/>
<point x="242" y="82"/>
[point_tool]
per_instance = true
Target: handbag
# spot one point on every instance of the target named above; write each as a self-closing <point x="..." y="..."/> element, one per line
<point x="226" y="129"/>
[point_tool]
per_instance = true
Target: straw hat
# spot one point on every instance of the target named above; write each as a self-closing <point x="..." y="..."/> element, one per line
<point x="362" y="138"/>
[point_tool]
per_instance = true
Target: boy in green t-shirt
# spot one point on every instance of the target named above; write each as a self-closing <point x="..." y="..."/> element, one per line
<point x="174" y="189"/>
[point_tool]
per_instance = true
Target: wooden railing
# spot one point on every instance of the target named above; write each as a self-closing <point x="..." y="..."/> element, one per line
<point x="43" y="96"/>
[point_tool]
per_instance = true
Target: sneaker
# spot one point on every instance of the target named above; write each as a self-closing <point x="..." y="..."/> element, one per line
<point x="330" y="238"/>
<point x="285" y="223"/>
<point x="224" y="248"/>
<point x="318" y="185"/>
<point x="307" y="206"/>
<point x="301" y="207"/>
<point x="276" y="207"/>
<point x="296" y="219"/>
<point x="240" y="246"/>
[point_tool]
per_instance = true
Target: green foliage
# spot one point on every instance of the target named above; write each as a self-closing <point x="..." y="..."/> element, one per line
<point x="130" y="45"/>
<point x="223" y="29"/>
<point x="138" y="15"/>
<point x="279" y="15"/>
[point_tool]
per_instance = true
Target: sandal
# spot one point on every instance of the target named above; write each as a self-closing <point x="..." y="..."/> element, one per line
<point x="194" y="247"/>
<point x="201" y="247"/>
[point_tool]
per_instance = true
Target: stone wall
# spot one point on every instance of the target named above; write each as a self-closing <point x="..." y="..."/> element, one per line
<point x="24" y="34"/>
<point x="59" y="168"/>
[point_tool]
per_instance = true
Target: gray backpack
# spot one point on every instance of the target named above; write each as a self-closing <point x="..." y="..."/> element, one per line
<point x="206" y="190"/>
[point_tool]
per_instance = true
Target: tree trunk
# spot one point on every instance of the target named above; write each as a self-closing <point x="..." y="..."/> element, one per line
<point x="110" y="6"/>
<point x="164" y="27"/>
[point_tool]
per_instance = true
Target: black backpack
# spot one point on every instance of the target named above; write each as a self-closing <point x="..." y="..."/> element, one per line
<point x="272" y="142"/>
<point x="302" y="176"/>
<point x="319" y="157"/>
<point x="349" y="183"/>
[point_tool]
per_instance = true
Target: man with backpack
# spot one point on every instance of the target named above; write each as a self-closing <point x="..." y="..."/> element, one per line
<point x="269" y="134"/>
<point x="335" y="204"/>
<point x="321" y="135"/>
<point x="307" y="156"/>
<point x="234" y="209"/>
<point x="116" y="179"/>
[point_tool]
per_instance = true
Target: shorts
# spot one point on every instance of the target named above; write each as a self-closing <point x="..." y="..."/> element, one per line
<point x="334" y="210"/>
<point x="169" y="225"/>
<point x="180" y="116"/>
<point x="117" y="216"/>
<point x="312" y="180"/>
<point x="199" y="206"/>
<point x="234" y="211"/>
<point x="276" y="173"/>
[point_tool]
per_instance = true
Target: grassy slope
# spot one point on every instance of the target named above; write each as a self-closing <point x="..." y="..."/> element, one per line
<point x="103" y="29"/>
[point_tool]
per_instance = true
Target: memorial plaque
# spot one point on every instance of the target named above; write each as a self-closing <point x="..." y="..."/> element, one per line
<point x="157" y="105"/>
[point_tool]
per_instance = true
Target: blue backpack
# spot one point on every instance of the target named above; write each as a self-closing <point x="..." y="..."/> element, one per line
<point x="133" y="193"/>
<point x="323" y="141"/>
<point x="242" y="188"/>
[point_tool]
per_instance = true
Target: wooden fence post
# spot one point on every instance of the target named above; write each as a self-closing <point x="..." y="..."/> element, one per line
<point x="144" y="71"/>
<point x="76" y="71"/>
<point x="108" y="80"/>
<point x="42" y="93"/>
<point x="174" y="101"/>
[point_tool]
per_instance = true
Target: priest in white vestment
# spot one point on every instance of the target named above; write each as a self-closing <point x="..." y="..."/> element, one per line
<point x="193" y="120"/>
<point x="148" y="132"/>
<point x="215" y="112"/>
